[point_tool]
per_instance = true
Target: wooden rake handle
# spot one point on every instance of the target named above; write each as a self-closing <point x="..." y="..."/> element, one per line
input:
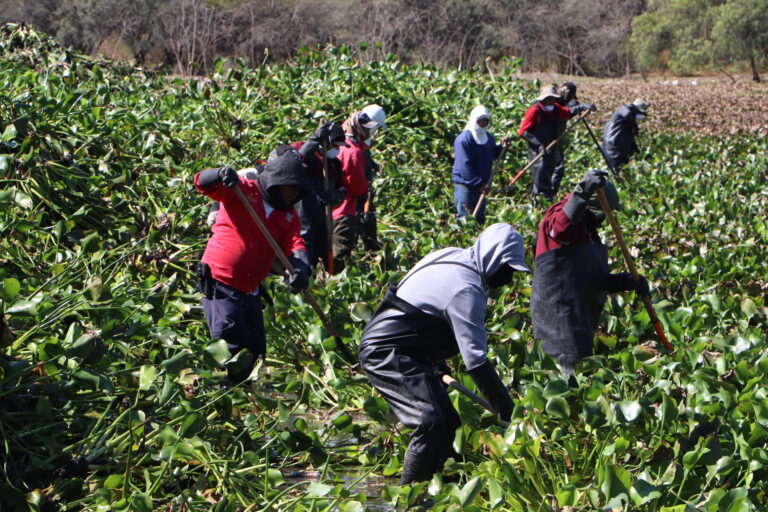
<point x="631" y="265"/>
<point x="482" y="402"/>
<point x="482" y="196"/>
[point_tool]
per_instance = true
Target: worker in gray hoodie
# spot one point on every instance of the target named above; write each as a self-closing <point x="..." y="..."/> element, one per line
<point x="435" y="312"/>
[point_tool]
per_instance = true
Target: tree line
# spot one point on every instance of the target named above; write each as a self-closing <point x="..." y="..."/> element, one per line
<point x="581" y="37"/>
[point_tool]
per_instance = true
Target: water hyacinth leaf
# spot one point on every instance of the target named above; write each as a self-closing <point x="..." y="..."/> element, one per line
<point x="91" y="243"/>
<point x="736" y="500"/>
<point x="9" y="288"/>
<point x="360" y="311"/>
<point x="113" y="481"/>
<point x="495" y="493"/>
<point x="147" y="376"/>
<point x="141" y="502"/>
<point x="318" y="489"/>
<point x="351" y="506"/>
<point x="192" y="424"/>
<point x="615" y="482"/>
<point x="558" y="407"/>
<point x="9" y="133"/>
<point x="748" y="308"/>
<point x="630" y="409"/>
<point x="642" y="492"/>
<point x="22" y="307"/>
<point x="376" y="408"/>
<point x="176" y="363"/>
<point x="217" y="353"/>
<point x="275" y="476"/>
<point x="567" y="496"/>
<point x="471" y="489"/>
<point x="556" y="387"/>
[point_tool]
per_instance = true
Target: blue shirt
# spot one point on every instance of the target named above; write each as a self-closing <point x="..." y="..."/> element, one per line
<point x="472" y="161"/>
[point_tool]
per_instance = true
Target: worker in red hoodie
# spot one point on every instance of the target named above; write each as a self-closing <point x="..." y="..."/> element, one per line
<point x="540" y="126"/>
<point x="238" y="257"/>
<point x="352" y="157"/>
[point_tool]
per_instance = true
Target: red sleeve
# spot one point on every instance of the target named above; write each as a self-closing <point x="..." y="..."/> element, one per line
<point x="530" y="119"/>
<point x="564" y="112"/>
<point x="353" y="170"/>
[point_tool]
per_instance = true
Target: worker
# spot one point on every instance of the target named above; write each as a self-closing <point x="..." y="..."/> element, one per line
<point x="474" y="151"/>
<point x="571" y="279"/>
<point x="238" y="257"/>
<point x="620" y="133"/>
<point x="539" y="128"/>
<point x="437" y="311"/>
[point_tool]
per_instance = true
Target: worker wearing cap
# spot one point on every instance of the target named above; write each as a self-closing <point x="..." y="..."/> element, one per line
<point x="571" y="279"/>
<point x="620" y="133"/>
<point x="365" y="205"/>
<point x="436" y="312"/>
<point x="238" y="257"/>
<point x="474" y="151"/>
<point x="539" y="128"/>
<point x="357" y="129"/>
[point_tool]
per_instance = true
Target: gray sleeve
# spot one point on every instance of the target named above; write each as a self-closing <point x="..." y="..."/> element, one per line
<point x="466" y="314"/>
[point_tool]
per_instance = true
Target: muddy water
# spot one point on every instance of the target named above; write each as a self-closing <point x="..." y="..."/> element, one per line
<point x="357" y="482"/>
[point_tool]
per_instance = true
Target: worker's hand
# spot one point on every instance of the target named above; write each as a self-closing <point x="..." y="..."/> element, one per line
<point x="582" y="107"/>
<point x="485" y="189"/>
<point x="544" y="151"/>
<point x="332" y="197"/>
<point x="228" y="176"/>
<point x="592" y="179"/>
<point x="299" y="280"/>
<point x="641" y="286"/>
<point x="506" y="142"/>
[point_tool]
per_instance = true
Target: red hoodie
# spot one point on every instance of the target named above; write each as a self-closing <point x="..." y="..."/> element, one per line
<point x="352" y="160"/>
<point x="238" y="254"/>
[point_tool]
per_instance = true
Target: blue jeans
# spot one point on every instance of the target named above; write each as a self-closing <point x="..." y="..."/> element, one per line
<point x="466" y="199"/>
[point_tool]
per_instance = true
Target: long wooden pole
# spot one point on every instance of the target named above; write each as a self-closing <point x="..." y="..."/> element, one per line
<point x="291" y="270"/>
<point x="631" y="265"/>
<point x="482" y="402"/>
<point x="548" y="147"/>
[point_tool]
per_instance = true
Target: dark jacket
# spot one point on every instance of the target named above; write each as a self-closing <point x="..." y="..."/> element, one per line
<point x="619" y="135"/>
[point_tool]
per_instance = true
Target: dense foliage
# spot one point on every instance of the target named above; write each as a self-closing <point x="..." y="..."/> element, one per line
<point x="111" y="394"/>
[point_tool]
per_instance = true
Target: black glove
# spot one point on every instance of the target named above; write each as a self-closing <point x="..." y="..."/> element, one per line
<point x="624" y="281"/>
<point x="490" y="385"/>
<point x="581" y="107"/>
<point x="225" y="175"/>
<point x="299" y="281"/>
<point x="316" y="141"/>
<point x="332" y="197"/>
<point x="574" y="208"/>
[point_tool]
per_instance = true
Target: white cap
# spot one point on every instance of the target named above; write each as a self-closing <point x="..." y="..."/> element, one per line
<point x="376" y="117"/>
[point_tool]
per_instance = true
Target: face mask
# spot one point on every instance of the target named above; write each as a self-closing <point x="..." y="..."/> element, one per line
<point x="549" y="108"/>
<point x="597" y="214"/>
<point x="332" y="153"/>
<point x="640" y="116"/>
<point x="500" y="277"/>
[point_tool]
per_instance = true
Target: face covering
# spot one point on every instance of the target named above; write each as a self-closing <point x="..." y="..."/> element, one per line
<point x="501" y="277"/>
<point x="640" y="116"/>
<point x="549" y="108"/>
<point x="479" y="133"/>
<point x="332" y="153"/>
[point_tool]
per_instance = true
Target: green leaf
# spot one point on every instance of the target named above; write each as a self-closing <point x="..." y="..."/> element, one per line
<point x="615" y="482"/>
<point x="10" y="287"/>
<point x="113" y="481"/>
<point x="630" y="409"/>
<point x="193" y="423"/>
<point x="471" y="489"/>
<point x="275" y="476"/>
<point x="748" y="308"/>
<point x="141" y="503"/>
<point x="318" y="489"/>
<point x="147" y="376"/>
<point x="495" y="493"/>
<point x="567" y="496"/>
<point x="22" y="307"/>
<point x="218" y="352"/>
<point x="558" y="407"/>
<point x="642" y="492"/>
<point x="9" y="134"/>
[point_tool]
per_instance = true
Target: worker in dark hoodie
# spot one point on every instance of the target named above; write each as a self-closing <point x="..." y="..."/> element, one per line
<point x="238" y="257"/>
<point x="435" y="312"/>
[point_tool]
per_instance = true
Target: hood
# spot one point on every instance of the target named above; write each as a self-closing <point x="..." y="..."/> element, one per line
<point x="499" y="244"/>
<point x="479" y="133"/>
<point x="284" y="168"/>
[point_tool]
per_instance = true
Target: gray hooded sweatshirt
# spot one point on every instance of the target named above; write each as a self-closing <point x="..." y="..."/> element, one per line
<point x="451" y="284"/>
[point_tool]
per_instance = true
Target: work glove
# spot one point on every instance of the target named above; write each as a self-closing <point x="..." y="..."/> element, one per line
<point x="624" y="281"/>
<point x="574" y="207"/>
<point x="316" y="141"/>
<point x="224" y="175"/>
<point x="581" y="107"/>
<point x="488" y="382"/>
<point x="332" y="197"/>
<point x="299" y="280"/>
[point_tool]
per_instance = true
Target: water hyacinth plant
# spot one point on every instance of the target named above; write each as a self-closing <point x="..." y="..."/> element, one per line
<point x="112" y="394"/>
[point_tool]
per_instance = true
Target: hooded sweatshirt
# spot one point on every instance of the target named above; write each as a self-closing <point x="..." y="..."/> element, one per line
<point x="474" y="151"/>
<point x="449" y="285"/>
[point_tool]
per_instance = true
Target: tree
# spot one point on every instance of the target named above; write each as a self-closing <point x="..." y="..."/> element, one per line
<point x="740" y="32"/>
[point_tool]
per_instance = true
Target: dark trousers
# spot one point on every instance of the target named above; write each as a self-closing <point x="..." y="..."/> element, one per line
<point x="547" y="172"/>
<point x="345" y="233"/>
<point x="417" y="396"/>
<point x="235" y="317"/>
